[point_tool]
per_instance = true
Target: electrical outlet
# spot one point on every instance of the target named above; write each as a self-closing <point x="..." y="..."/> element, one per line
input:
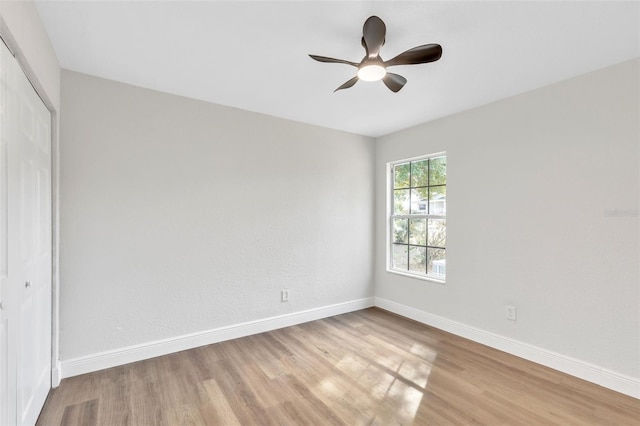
<point x="510" y="312"/>
<point x="284" y="295"/>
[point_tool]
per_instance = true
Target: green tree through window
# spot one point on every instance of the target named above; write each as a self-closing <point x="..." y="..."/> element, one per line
<point x="418" y="217"/>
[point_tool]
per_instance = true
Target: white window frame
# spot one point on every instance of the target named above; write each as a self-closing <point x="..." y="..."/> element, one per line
<point x="391" y="216"/>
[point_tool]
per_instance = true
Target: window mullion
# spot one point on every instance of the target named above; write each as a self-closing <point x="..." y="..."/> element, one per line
<point x="426" y="250"/>
<point x="428" y="188"/>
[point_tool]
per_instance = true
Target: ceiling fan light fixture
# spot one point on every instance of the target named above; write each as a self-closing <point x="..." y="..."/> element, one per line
<point x="371" y="72"/>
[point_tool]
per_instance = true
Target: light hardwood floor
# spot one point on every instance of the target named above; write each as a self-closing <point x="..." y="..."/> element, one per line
<point x="362" y="368"/>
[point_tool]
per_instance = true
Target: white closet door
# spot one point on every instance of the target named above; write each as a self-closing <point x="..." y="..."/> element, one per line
<point x="32" y="161"/>
<point x="28" y="283"/>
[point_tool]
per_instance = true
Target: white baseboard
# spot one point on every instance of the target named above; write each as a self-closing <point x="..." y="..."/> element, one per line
<point x="586" y="371"/>
<point x="108" y="359"/>
<point x="56" y="375"/>
<point x="590" y="372"/>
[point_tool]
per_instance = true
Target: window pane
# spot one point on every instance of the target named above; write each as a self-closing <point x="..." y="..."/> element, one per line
<point x="418" y="232"/>
<point x="438" y="200"/>
<point x="437" y="266"/>
<point x="417" y="259"/>
<point x="400" y="230"/>
<point x="419" y="201"/>
<point x="420" y="173"/>
<point x="438" y="171"/>
<point x="401" y="201"/>
<point x="400" y="256"/>
<point x="437" y="232"/>
<point x="401" y="175"/>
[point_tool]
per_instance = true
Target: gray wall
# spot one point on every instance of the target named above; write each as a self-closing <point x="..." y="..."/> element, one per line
<point x="530" y="180"/>
<point x="179" y="216"/>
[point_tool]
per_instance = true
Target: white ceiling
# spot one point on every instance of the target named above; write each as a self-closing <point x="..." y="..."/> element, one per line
<point x="253" y="55"/>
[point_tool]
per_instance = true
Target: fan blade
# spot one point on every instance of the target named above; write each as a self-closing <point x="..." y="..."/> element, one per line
<point x="417" y="55"/>
<point x="373" y="34"/>
<point x="332" y="60"/>
<point x="348" y="84"/>
<point x="394" y="82"/>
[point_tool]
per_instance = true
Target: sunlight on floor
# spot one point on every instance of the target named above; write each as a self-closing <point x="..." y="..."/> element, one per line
<point x="424" y="352"/>
<point x="390" y="381"/>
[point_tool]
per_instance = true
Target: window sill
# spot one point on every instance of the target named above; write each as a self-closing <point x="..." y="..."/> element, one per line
<point x="418" y="277"/>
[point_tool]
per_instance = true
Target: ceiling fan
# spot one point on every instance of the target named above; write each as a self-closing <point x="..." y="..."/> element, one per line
<point x="373" y="68"/>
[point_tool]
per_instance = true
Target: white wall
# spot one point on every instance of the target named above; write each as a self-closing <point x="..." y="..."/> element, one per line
<point x="529" y="181"/>
<point x="24" y="33"/>
<point x="180" y="216"/>
<point x="22" y="29"/>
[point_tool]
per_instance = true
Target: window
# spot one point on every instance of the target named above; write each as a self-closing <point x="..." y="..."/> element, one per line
<point x="418" y="222"/>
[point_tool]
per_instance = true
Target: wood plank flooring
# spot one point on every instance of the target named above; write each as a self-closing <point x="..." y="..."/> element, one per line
<point x="363" y="368"/>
